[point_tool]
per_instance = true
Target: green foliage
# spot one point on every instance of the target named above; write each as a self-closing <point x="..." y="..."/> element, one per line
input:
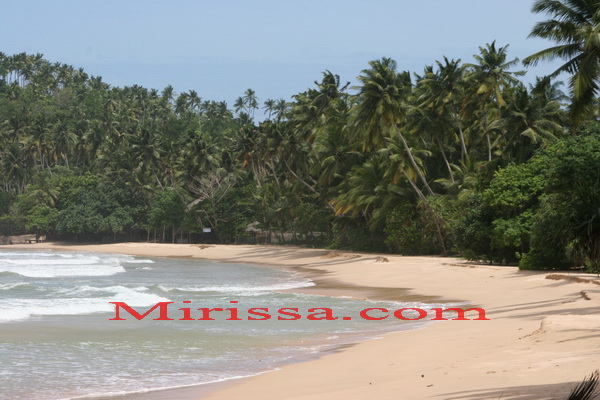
<point x="41" y="219"/>
<point x="573" y="204"/>
<point x="349" y="234"/>
<point x="167" y="209"/>
<point x="438" y="165"/>
<point x="515" y="188"/>
<point x="228" y="211"/>
<point x="72" y="188"/>
<point x="404" y="233"/>
<point x="88" y="205"/>
<point x="12" y="224"/>
<point x="549" y="244"/>
<point x="510" y="237"/>
<point x="497" y="224"/>
<point x="6" y="200"/>
<point x="573" y="25"/>
<point x="421" y="228"/>
<point x="312" y="223"/>
<point x="545" y="212"/>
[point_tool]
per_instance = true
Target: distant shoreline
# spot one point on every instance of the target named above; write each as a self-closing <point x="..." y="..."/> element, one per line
<point x="537" y="341"/>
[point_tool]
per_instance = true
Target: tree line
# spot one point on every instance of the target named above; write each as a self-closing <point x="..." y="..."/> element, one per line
<point x="460" y="158"/>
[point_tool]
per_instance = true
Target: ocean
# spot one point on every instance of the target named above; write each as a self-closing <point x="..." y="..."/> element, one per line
<point x="57" y="340"/>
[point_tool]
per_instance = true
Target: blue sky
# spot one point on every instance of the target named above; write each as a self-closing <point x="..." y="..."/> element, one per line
<point x="276" y="47"/>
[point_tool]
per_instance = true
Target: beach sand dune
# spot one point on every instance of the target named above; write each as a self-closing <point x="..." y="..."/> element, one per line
<point x="542" y="337"/>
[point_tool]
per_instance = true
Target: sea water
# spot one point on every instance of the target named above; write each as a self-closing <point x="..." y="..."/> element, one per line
<point x="57" y="340"/>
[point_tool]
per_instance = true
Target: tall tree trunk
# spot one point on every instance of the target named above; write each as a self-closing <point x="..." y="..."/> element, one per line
<point x="416" y="189"/>
<point x="413" y="162"/>
<point x="463" y="150"/>
<point x="445" y="159"/>
<point x="306" y="183"/>
<point x="463" y="146"/>
<point x="274" y="173"/>
<point x="312" y="189"/>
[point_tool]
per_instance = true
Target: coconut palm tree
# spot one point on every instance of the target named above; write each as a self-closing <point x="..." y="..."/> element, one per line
<point x="250" y="101"/>
<point x="281" y="109"/>
<point x="575" y="26"/>
<point x="380" y="108"/>
<point x="489" y="81"/>
<point x="491" y="75"/>
<point x="529" y="119"/>
<point x="441" y="93"/>
<point x="269" y="106"/>
<point x="368" y="192"/>
<point x="320" y="109"/>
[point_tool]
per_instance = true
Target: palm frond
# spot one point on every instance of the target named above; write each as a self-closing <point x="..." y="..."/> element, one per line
<point x="586" y="390"/>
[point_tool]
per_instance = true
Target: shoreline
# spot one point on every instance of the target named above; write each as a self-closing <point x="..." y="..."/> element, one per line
<point x="539" y="343"/>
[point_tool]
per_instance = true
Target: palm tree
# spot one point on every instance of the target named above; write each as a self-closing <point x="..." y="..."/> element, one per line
<point x="490" y="79"/>
<point x="319" y="109"/>
<point x="64" y="140"/>
<point x="435" y="113"/>
<point x="146" y="151"/>
<point x="194" y="100"/>
<point x="13" y="168"/>
<point x="380" y="108"/>
<point x="238" y="105"/>
<point x="529" y="119"/>
<point x="442" y="94"/>
<point x="398" y="167"/>
<point x="247" y="103"/>
<point x="269" y="106"/>
<point x="369" y="193"/>
<point x="280" y="110"/>
<point x="285" y="146"/>
<point x="490" y="76"/>
<point x="43" y="190"/>
<point x="334" y="155"/>
<point x="466" y="179"/>
<point x="250" y="101"/>
<point x="575" y="27"/>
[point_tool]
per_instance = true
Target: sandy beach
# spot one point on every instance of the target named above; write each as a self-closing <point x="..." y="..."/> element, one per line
<point x="542" y="338"/>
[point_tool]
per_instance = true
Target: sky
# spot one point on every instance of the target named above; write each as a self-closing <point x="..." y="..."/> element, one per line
<point x="278" y="48"/>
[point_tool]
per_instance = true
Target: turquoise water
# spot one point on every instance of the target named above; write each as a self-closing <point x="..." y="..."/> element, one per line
<point x="57" y="342"/>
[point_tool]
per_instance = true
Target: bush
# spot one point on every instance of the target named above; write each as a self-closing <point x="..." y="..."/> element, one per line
<point x="548" y="240"/>
<point x="496" y="225"/>
<point x="474" y="230"/>
<point x="572" y="210"/>
<point x="421" y="228"/>
<point x="351" y="234"/>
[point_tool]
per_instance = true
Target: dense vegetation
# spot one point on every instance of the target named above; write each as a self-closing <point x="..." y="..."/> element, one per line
<point x="457" y="159"/>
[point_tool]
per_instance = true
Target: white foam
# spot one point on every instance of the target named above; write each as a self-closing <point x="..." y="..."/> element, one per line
<point x="17" y="309"/>
<point x="8" y="286"/>
<point x="37" y="254"/>
<point x="53" y="271"/>
<point x="51" y="261"/>
<point x="51" y="265"/>
<point x="136" y="261"/>
<point x="161" y="388"/>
